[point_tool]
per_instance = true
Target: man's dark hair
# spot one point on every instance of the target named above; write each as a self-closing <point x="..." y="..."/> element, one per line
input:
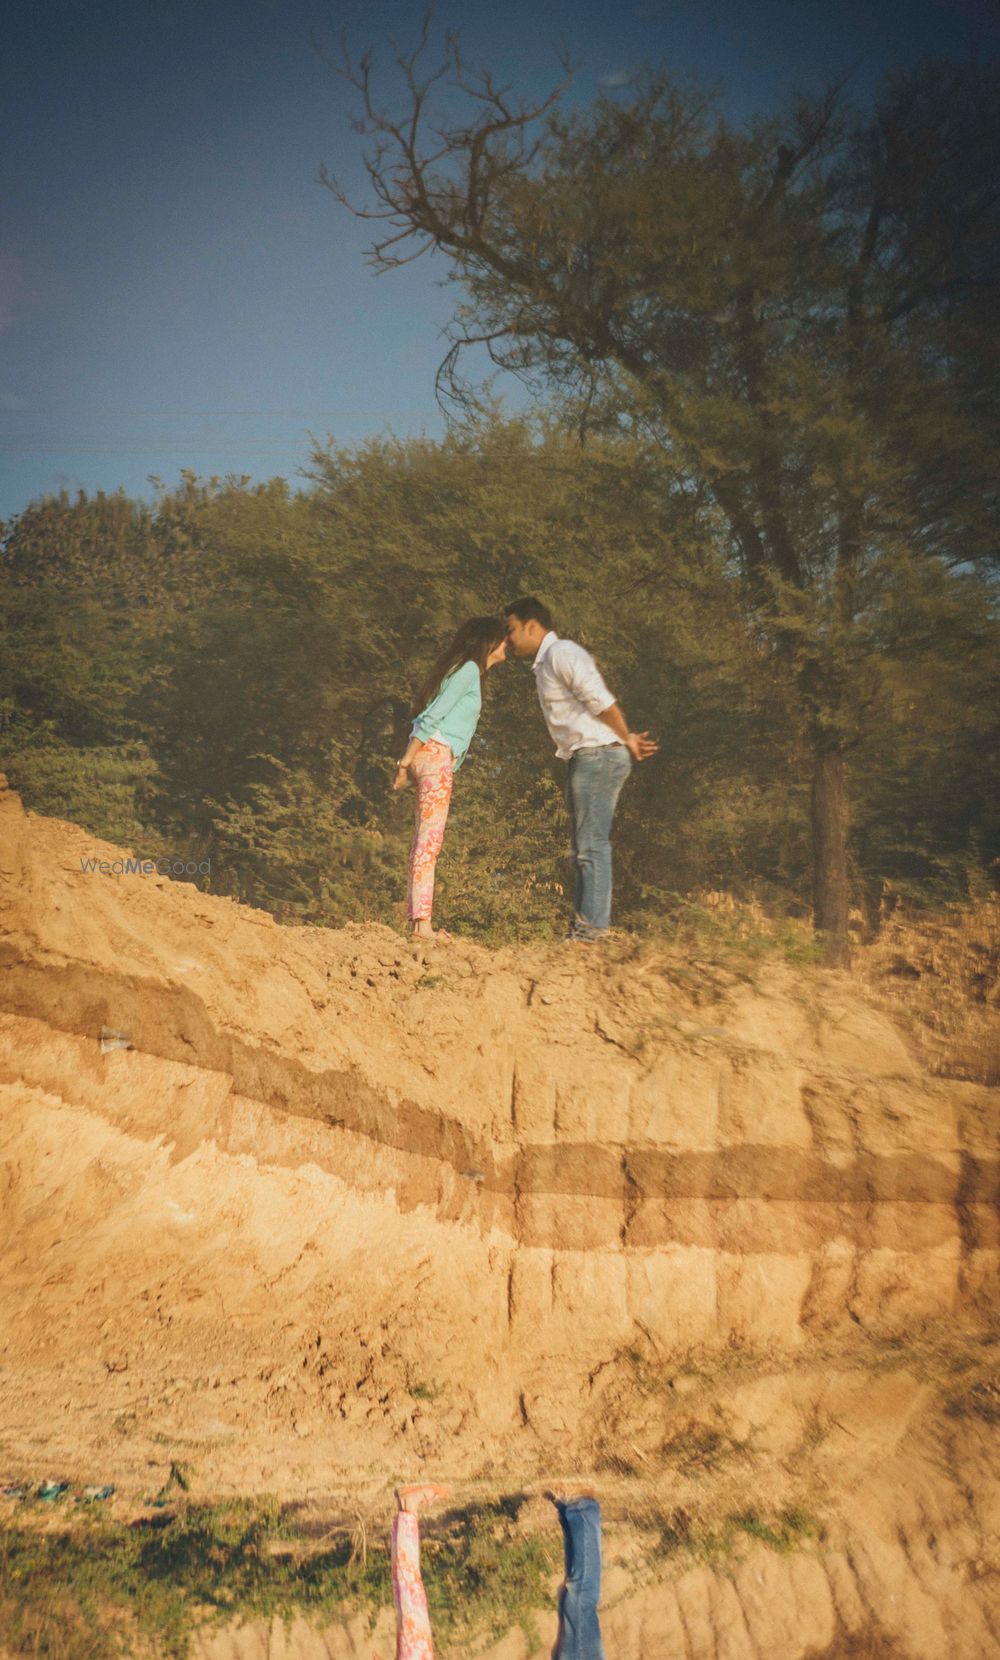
<point x="530" y="610"/>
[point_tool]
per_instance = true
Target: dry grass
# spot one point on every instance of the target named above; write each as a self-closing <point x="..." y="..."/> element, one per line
<point x="873" y="1643"/>
<point x="940" y="976"/>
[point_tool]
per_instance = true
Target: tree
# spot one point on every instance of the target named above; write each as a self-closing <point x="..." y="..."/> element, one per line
<point x="795" y="312"/>
<point x="237" y="691"/>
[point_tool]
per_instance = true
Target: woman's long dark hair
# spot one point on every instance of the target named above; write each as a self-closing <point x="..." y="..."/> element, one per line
<point x="473" y="643"/>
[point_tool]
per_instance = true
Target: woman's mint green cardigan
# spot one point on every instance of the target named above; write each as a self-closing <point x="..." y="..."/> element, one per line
<point x="453" y="714"/>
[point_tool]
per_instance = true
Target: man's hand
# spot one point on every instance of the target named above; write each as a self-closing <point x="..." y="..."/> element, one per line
<point x="640" y="746"/>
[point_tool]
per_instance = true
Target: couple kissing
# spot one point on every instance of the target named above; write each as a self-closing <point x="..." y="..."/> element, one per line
<point x="585" y="723"/>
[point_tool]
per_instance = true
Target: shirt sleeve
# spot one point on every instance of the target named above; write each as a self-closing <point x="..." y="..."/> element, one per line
<point x="580" y="674"/>
<point x="451" y="693"/>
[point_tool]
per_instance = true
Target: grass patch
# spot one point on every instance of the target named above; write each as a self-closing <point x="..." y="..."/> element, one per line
<point x="484" y="1577"/>
<point x="426" y="1392"/>
<point x="728" y="933"/>
<point x="783" y="1532"/>
<point x="698" y="1451"/>
<point x="91" y="1591"/>
<point x="98" y="1590"/>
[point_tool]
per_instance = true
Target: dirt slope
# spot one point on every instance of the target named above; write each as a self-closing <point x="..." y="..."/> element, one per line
<point x="348" y="1210"/>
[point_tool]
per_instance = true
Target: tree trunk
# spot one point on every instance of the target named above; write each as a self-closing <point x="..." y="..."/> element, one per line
<point x="829" y="854"/>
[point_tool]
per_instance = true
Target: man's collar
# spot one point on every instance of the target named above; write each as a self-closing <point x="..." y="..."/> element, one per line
<point x="547" y="643"/>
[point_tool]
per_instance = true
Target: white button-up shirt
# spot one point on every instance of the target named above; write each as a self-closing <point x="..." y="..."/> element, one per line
<point x="572" y="694"/>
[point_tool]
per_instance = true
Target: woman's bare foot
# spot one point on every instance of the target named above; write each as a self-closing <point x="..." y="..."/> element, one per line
<point x="423" y="1492"/>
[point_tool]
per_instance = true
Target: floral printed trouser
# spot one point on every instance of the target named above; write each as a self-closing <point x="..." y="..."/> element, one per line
<point x="413" y="1624"/>
<point x="434" y="774"/>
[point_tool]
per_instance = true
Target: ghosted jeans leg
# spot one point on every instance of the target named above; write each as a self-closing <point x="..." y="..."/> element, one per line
<point x="579" y="1628"/>
<point x="594" y="780"/>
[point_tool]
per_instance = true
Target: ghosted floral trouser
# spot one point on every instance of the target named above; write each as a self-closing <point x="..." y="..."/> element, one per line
<point x="434" y="774"/>
<point x="413" y="1623"/>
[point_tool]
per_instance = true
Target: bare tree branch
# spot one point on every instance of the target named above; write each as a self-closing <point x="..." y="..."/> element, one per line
<point x="419" y="202"/>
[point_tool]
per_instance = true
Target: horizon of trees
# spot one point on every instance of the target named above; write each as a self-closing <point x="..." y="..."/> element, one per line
<point x="228" y="671"/>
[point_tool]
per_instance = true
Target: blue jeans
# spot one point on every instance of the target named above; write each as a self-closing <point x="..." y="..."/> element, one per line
<point x="593" y="784"/>
<point x="579" y="1628"/>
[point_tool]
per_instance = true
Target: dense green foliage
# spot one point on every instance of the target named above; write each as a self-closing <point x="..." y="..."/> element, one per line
<point x="226" y="675"/>
<point x="98" y="1590"/>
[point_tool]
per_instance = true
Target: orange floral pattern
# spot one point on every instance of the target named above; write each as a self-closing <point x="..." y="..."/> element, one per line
<point x="434" y="772"/>
<point x="413" y="1622"/>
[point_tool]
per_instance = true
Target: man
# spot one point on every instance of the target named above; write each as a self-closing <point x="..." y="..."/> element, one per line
<point x="579" y="1623"/>
<point x="591" y="734"/>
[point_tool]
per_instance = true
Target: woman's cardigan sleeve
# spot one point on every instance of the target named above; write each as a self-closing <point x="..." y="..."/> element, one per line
<point x="452" y="691"/>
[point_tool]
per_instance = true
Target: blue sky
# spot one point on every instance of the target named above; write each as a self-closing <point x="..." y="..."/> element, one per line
<point x="176" y="287"/>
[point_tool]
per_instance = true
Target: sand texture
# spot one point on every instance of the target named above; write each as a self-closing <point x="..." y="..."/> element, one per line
<point x="349" y="1211"/>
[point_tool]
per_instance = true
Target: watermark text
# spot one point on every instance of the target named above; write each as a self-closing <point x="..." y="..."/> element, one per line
<point x="146" y="867"/>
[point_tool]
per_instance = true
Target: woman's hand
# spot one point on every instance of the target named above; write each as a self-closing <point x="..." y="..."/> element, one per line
<point x="404" y="766"/>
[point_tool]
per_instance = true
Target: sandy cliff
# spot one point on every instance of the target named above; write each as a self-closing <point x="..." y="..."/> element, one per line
<point x="346" y="1210"/>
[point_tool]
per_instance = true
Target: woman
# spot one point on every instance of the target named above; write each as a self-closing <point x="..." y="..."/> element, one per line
<point x="442" y="732"/>
<point x="413" y="1622"/>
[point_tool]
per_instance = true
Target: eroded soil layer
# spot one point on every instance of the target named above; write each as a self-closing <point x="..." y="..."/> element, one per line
<point x="347" y="1210"/>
